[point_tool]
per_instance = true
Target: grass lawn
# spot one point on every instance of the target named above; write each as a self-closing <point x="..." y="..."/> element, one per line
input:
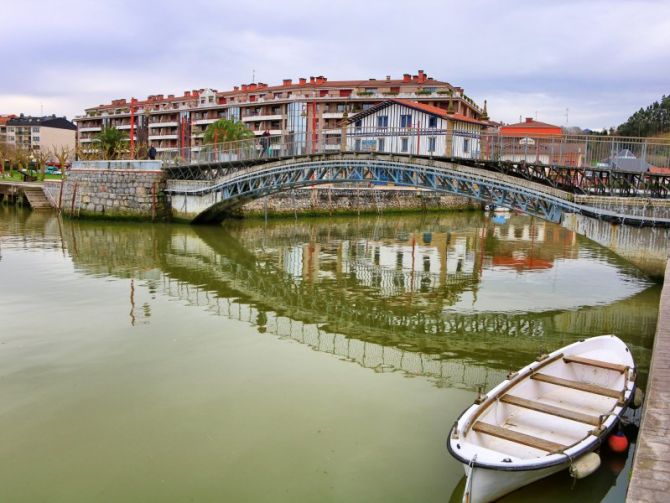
<point x="18" y="177"/>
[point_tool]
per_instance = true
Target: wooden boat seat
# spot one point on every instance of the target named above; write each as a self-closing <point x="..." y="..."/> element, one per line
<point x="552" y="410"/>
<point x="517" y="437"/>
<point x="581" y="386"/>
<point x="596" y="363"/>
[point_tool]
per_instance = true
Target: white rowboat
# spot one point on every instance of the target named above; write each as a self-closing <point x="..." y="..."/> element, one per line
<point x="543" y="418"/>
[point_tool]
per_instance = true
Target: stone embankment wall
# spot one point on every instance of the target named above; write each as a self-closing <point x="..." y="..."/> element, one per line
<point x="112" y="193"/>
<point x="364" y="200"/>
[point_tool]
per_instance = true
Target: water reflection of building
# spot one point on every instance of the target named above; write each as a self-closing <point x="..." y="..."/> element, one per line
<point x="426" y="261"/>
<point x="418" y="262"/>
<point x="532" y="245"/>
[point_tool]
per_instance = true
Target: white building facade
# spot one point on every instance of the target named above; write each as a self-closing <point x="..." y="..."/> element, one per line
<point x="409" y="127"/>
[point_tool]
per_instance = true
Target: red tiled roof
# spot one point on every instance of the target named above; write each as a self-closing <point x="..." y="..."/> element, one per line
<point x="430" y="109"/>
<point x="5" y="118"/>
<point x="337" y="84"/>
<point x="441" y="112"/>
<point x="531" y="124"/>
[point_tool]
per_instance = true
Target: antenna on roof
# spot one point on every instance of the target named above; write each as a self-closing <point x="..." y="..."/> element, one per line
<point x="253" y="75"/>
<point x="567" y="115"/>
<point x="42" y="109"/>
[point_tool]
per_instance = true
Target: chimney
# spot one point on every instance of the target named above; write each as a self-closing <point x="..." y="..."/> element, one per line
<point x="236" y="88"/>
<point x="421" y="77"/>
<point x="187" y="94"/>
<point x="287" y="82"/>
<point x="169" y="96"/>
<point x="252" y="87"/>
<point x="244" y="87"/>
<point x="311" y="80"/>
<point x="406" y="77"/>
<point x="303" y="81"/>
<point x="320" y="79"/>
<point x="529" y="119"/>
<point x="415" y="78"/>
<point x="388" y="77"/>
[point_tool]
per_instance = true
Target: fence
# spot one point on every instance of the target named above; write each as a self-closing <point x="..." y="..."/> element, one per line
<point x="579" y="151"/>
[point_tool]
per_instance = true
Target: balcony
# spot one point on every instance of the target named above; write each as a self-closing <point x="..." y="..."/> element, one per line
<point x="163" y="137"/>
<point x="164" y="124"/>
<point x="123" y="126"/>
<point x="333" y="115"/>
<point x="273" y="132"/>
<point x="254" y="118"/>
<point x="90" y="129"/>
<point x="206" y="121"/>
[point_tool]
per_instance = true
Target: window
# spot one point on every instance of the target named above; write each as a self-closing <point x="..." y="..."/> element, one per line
<point x="380" y="145"/>
<point x="36" y="138"/>
<point x="466" y="145"/>
<point x="357" y="145"/>
<point x="431" y="144"/>
<point x="404" y="144"/>
<point x="358" y="124"/>
<point x="432" y="122"/>
<point x="383" y="121"/>
<point x="36" y="130"/>
<point x="406" y="120"/>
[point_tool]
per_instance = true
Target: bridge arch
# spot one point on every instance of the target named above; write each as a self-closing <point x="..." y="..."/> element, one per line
<point x="211" y="201"/>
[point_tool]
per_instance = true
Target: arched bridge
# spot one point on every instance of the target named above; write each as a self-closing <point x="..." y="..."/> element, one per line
<point x="208" y="190"/>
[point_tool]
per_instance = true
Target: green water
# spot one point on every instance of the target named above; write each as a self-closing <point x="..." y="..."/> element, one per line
<point x="309" y="360"/>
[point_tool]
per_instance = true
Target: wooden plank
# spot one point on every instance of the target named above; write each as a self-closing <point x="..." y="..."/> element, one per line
<point x="596" y="363"/>
<point x="512" y="382"/>
<point x="581" y="386"/>
<point x="551" y="410"/>
<point x="517" y="437"/>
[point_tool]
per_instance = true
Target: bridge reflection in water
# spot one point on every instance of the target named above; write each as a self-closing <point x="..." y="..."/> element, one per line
<point x="391" y="294"/>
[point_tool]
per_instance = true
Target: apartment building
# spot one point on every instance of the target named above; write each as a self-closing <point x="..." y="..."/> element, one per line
<point x="3" y="127"/>
<point x="40" y="133"/>
<point x="305" y="109"/>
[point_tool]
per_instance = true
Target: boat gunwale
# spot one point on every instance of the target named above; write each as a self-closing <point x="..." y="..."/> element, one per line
<point x="562" y="457"/>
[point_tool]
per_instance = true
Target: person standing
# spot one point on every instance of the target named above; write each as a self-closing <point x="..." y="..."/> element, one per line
<point x="152" y="153"/>
<point x="265" y="144"/>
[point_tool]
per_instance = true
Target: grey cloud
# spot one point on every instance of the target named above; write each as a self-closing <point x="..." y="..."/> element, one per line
<point x="603" y="60"/>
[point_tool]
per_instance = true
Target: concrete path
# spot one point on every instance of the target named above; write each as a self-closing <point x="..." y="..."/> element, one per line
<point x="650" y="480"/>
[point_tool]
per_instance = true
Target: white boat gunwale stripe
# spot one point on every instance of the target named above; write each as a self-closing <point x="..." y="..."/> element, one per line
<point x="552" y="410"/>
<point x="518" y="437"/>
<point x="596" y="363"/>
<point x="578" y="385"/>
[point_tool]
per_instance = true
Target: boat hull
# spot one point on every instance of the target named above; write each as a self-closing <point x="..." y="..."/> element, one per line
<point x="484" y="484"/>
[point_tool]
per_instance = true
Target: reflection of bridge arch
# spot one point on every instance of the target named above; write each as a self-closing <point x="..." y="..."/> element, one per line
<point x="450" y="372"/>
<point x="225" y="269"/>
<point x="232" y="271"/>
<point x="210" y="202"/>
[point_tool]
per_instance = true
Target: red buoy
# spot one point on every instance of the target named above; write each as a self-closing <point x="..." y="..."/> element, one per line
<point x="618" y="442"/>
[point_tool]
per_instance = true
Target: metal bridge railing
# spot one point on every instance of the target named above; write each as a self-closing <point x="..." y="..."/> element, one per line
<point x="577" y="151"/>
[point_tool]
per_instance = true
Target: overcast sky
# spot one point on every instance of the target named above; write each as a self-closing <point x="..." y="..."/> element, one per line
<point x="601" y="60"/>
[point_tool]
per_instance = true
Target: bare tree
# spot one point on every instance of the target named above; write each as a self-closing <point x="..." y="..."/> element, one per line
<point x="62" y="155"/>
<point x="41" y="158"/>
<point x="22" y="158"/>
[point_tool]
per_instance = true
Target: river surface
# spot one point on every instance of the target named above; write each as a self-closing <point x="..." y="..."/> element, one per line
<point x="307" y="360"/>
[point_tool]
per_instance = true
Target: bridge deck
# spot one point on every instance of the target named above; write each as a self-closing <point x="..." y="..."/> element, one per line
<point x="650" y="479"/>
<point x="230" y="183"/>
